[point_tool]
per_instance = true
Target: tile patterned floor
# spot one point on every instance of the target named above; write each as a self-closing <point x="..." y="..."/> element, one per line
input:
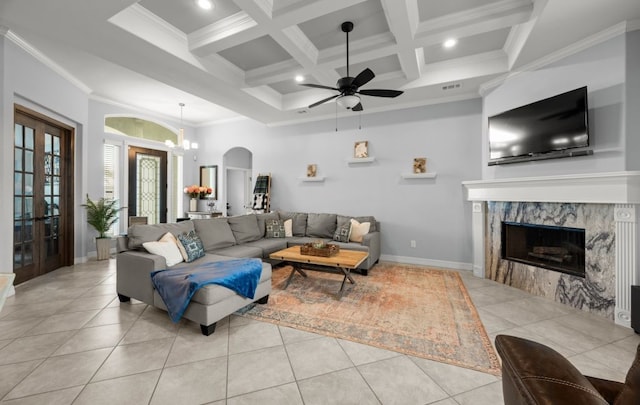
<point x="65" y="339"/>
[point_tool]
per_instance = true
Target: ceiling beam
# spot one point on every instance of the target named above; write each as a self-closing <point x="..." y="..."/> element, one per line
<point x="402" y="17"/>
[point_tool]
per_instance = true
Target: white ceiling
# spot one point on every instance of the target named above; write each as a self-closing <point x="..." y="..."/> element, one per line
<point x="240" y="58"/>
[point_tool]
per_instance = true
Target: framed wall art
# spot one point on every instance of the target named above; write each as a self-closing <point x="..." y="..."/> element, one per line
<point x="361" y="149"/>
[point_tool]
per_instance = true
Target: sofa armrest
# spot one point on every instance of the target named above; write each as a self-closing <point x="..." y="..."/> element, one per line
<point x="372" y="240"/>
<point x="122" y="243"/>
<point x="133" y="270"/>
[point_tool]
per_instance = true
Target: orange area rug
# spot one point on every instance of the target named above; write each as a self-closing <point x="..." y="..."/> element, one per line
<point x="414" y="310"/>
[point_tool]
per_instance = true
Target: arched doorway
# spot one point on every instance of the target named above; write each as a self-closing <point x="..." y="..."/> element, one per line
<point x="238" y="164"/>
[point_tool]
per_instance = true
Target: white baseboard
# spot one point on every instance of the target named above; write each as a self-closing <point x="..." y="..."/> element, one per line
<point x="427" y="262"/>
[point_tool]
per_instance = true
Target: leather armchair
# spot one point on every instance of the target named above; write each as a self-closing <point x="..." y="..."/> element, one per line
<point x="533" y="373"/>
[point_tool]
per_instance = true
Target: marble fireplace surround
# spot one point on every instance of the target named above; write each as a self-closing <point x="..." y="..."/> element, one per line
<point x="608" y="204"/>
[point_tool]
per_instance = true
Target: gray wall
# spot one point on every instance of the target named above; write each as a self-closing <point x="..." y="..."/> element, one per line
<point x="602" y="69"/>
<point x="432" y="212"/>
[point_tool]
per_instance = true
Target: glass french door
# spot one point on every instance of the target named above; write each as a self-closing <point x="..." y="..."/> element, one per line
<point x="148" y="184"/>
<point x="43" y="214"/>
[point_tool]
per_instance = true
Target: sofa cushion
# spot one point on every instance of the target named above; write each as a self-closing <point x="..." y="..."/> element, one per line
<point x="321" y="225"/>
<point x="240" y="251"/>
<point x="245" y="228"/>
<point x="299" y="221"/>
<point x="371" y="220"/>
<point x="288" y="228"/>
<point x="213" y="293"/>
<point x="138" y="234"/>
<point x="274" y="228"/>
<point x="192" y="245"/>
<point x="262" y="218"/>
<point x="269" y="246"/>
<point x="215" y="233"/>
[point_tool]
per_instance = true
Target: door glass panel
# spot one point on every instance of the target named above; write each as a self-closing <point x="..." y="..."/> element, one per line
<point x="28" y="184"/>
<point x="28" y="137"/>
<point x="56" y="165"/>
<point x="18" y="130"/>
<point x="28" y="208"/>
<point x="17" y="207"/>
<point x="56" y="145"/>
<point x="27" y="230"/>
<point x="27" y="254"/>
<point x="48" y="143"/>
<point x="28" y="161"/>
<point x="17" y="181"/>
<point x="17" y="159"/>
<point x="148" y="197"/>
<point x="17" y="256"/>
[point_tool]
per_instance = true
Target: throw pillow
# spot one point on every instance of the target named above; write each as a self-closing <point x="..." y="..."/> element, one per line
<point x="343" y="232"/>
<point x="288" y="228"/>
<point x="168" y="237"/>
<point x="168" y="250"/>
<point x="358" y="230"/>
<point x="274" y="228"/>
<point x="192" y="245"/>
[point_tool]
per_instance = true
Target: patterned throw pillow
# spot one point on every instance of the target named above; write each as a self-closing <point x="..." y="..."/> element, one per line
<point x="274" y="228"/>
<point x="343" y="232"/>
<point x="192" y="245"/>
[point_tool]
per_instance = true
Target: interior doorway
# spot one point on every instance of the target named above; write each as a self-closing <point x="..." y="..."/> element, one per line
<point x="43" y="194"/>
<point x="148" y="184"/>
<point x="238" y="191"/>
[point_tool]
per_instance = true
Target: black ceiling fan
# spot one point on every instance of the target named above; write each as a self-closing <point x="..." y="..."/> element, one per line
<point x="350" y="86"/>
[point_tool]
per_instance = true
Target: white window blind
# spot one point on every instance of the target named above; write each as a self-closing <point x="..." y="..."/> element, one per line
<point x="112" y="179"/>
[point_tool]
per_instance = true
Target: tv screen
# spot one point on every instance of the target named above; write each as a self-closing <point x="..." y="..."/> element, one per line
<point x="554" y="124"/>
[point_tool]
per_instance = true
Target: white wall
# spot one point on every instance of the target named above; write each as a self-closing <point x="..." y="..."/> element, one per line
<point x="30" y="83"/>
<point x="602" y="69"/>
<point x="431" y="212"/>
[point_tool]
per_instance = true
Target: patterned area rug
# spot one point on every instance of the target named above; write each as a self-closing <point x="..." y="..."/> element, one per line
<point x="413" y="310"/>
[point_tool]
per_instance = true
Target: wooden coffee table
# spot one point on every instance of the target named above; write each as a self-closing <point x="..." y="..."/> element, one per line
<point x="341" y="263"/>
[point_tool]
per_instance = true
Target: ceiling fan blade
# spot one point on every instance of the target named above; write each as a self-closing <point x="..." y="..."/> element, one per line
<point x="363" y="78"/>
<point x="381" y="92"/>
<point x="318" y="86"/>
<point x="357" y="107"/>
<point x="323" y="101"/>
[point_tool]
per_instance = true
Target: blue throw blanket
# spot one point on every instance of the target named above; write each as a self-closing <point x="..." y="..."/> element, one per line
<point x="177" y="286"/>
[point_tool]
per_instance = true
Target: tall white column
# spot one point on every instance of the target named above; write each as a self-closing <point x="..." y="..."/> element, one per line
<point x="627" y="267"/>
<point x="478" y="235"/>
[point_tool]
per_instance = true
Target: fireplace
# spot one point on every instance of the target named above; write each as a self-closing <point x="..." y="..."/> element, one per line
<point x="551" y="247"/>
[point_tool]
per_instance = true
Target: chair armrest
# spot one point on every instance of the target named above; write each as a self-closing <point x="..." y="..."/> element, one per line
<point x="607" y="388"/>
<point x="533" y="373"/>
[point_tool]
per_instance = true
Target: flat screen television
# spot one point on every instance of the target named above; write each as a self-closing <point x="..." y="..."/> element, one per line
<point x="549" y="128"/>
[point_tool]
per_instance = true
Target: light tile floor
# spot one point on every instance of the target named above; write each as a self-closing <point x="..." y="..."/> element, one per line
<point x="65" y="338"/>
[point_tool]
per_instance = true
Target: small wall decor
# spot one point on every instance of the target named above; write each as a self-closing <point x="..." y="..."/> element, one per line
<point x="361" y="149"/>
<point x="419" y="165"/>
<point x="312" y="170"/>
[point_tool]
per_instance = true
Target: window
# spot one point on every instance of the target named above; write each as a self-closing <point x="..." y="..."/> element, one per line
<point x="112" y="165"/>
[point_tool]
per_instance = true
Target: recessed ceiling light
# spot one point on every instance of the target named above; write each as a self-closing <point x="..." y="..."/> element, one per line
<point x="450" y="43"/>
<point x="299" y="78"/>
<point x="204" y="4"/>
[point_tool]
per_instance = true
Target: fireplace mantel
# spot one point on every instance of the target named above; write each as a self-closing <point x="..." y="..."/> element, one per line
<point x="599" y="188"/>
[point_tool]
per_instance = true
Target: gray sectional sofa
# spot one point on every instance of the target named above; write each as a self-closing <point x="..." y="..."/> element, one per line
<point x="226" y="238"/>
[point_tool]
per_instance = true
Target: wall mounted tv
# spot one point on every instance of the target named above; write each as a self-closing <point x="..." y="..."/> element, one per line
<point x="551" y="128"/>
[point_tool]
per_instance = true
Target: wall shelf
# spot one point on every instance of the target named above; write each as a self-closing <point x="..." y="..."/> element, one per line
<point x="361" y="160"/>
<point x="431" y="175"/>
<point x="312" y="179"/>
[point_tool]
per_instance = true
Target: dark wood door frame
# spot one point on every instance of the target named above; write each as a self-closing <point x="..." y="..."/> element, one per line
<point x="65" y="229"/>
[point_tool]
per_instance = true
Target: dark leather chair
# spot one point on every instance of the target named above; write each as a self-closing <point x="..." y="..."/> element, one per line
<point x="533" y="373"/>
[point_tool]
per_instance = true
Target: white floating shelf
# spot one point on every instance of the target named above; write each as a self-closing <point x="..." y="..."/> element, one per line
<point x="312" y="179"/>
<point x="431" y="175"/>
<point x="361" y="160"/>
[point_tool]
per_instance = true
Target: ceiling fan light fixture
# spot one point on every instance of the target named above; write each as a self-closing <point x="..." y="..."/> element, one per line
<point x="348" y="102"/>
<point x="205" y="4"/>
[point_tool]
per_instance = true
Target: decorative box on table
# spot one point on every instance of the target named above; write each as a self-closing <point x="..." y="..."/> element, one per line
<point x="324" y="250"/>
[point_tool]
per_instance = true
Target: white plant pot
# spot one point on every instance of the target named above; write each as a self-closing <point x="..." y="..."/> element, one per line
<point x="103" y="248"/>
<point x="193" y="205"/>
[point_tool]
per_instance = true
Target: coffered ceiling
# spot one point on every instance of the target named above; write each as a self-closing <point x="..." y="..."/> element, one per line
<point x="241" y="57"/>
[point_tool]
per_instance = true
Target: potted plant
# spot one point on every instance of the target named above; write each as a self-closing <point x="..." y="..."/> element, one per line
<point x="102" y="214"/>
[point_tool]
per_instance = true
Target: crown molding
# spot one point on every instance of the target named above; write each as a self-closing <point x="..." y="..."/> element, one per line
<point x="553" y="57"/>
<point x="42" y="58"/>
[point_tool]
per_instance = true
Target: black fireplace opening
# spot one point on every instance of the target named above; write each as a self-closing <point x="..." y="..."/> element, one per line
<point x="551" y="247"/>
